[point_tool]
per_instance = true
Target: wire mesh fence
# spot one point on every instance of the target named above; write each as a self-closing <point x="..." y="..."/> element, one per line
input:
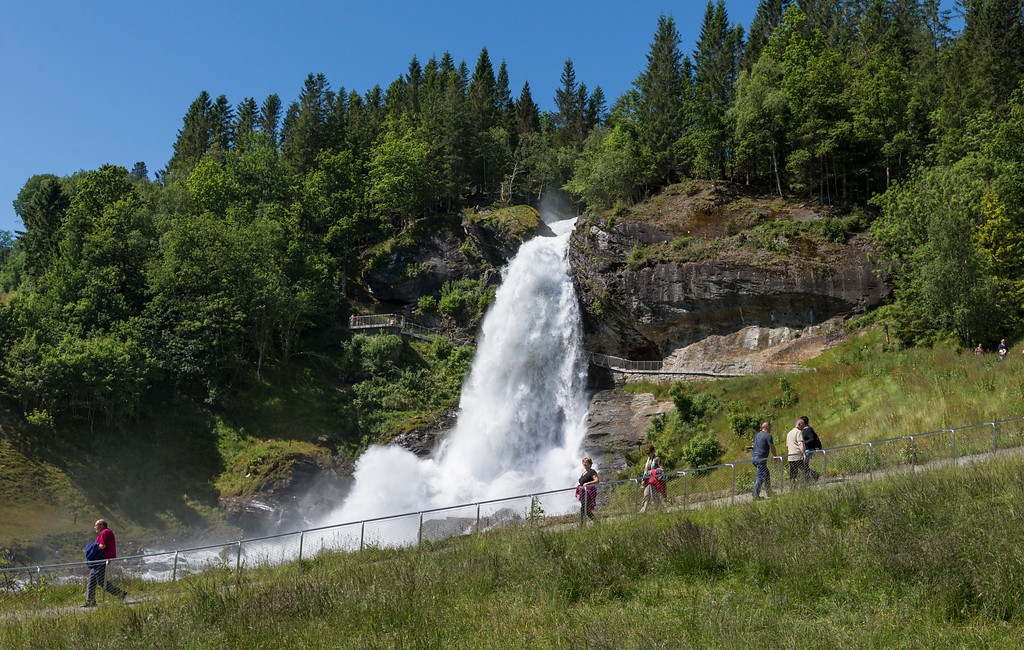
<point x="690" y="488"/>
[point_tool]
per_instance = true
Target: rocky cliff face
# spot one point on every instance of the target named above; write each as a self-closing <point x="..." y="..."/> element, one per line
<point x="650" y="288"/>
<point x="479" y="246"/>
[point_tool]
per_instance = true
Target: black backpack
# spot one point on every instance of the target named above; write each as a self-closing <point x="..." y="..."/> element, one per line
<point x="810" y="436"/>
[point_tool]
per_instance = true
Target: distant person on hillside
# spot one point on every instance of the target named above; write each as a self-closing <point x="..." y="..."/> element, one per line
<point x="812" y="443"/>
<point x="1002" y="349"/>
<point x="978" y="350"/>
<point x="100" y="552"/>
<point x="586" y="492"/>
<point x="795" y="446"/>
<point x="763" y="444"/>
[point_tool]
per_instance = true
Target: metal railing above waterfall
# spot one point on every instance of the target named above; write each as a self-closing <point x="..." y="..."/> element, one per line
<point x="396" y="324"/>
<point x="690" y="488"/>
<point x="619" y="364"/>
<point x="399" y="324"/>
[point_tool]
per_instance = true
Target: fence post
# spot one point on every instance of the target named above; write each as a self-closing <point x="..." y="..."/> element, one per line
<point x="953" y="434"/>
<point x="732" y="497"/>
<point x="301" y="534"/>
<point x="871" y="461"/>
<point x="106" y="570"/>
<point x="995" y="437"/>
<point x="238" y="559"/>
<point x="913" y="452"/>
<point x="684" y="490"/>
<point x="39" y="584"/>
<point x="362" y="534"/>
<point x="478" y="517"/>
<point x="419" y="533"/>
<point x="824" y="463"/>
<point x="782" y="473"/>
<point x="174" y="568"/>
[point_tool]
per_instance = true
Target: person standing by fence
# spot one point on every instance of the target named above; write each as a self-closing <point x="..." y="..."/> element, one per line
<point x="795" y="447"/>
<point x="586" y="492"/>
<point x="107" y="545"/>
<point x="646" y="479"/>
<point x="763" y="444"/>
<point x="812" y="443"/>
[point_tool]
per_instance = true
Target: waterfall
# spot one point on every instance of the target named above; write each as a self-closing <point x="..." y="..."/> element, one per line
<point x="522" y="410"/>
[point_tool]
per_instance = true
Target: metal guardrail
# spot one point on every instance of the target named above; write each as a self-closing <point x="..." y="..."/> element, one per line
<point x="399" y="324"/>
<point x="689" y="488"/>
<point x="650" y="367"/>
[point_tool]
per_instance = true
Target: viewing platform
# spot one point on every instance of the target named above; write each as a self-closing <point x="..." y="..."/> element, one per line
<point x="393" y="324"/>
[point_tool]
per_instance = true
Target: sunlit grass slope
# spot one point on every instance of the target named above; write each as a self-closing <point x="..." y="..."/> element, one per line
<point x="927" y="560"/>
<point x="863" y="390"/>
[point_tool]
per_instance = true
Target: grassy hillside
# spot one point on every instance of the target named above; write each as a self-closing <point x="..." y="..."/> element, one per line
<point x="862" y="389"/>
<point x="161" y="478"/>
<point x="922" y="560"/>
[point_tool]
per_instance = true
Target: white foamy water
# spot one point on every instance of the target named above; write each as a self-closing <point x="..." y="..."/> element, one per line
<point x="521" y="415"/>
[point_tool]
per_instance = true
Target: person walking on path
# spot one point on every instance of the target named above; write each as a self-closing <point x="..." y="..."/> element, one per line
<point x="763" y="444"/>
<point x="107" y="547"/>
<point x="658" y="480"/>
<point x="586" y="492"/>
<point x="1002" y="349"/>
<point x="646" y="480"/>
<point x="656" y="489"/>
<point x="795" y="446"/>
<point x="811" y="442"/>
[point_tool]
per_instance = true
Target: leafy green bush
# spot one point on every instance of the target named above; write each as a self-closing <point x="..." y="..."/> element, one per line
<point x="787" y="396"/>
<point x="426" y="305"/>
<point x="692" y="406"/>
<point x="465" y="298"/>
<point x="703" y="450"/>
<point x="742" y="422"/>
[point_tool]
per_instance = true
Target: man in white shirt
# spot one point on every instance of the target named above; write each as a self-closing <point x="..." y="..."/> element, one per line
<point x="795" y="447"/>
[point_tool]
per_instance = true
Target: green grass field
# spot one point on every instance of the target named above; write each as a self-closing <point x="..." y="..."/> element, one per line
<point x="926" y="560"/>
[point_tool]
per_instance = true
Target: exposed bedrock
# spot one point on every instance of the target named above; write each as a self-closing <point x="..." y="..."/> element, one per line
<point x="649" y="311"/>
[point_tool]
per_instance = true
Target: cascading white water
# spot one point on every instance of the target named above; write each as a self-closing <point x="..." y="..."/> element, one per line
<point x="521" y="419"/>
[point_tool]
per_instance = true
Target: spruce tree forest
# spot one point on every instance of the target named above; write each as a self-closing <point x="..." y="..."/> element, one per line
<point x="247" y="251"/>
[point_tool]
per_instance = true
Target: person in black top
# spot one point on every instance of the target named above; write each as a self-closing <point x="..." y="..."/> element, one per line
<point x="587" y="490"/>
<point x="811" y="443"/>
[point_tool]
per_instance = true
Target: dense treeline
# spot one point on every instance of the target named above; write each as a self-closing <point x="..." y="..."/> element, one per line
<point x="245" y="249"/>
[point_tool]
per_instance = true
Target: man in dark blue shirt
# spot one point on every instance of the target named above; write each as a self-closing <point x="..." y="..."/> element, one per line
<point x="763" y="444"/>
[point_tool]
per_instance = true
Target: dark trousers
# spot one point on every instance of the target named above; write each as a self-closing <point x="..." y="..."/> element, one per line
<point x="764" y="478"/>
<point x="98" y="577"/>
<point x="796" y="467"/>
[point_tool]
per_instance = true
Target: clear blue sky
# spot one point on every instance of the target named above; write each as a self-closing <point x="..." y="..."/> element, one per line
<point x="88" y="83"/>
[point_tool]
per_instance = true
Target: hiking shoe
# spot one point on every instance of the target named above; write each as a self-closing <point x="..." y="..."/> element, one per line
<point x="88" y="605"/>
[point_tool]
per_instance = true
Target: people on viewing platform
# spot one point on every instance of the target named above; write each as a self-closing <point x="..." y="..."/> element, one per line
<point x="586" y="491"/>
<point x="763" y="449"/>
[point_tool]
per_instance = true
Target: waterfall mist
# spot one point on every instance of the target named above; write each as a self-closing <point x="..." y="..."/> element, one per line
<point x="522" y="410"/>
